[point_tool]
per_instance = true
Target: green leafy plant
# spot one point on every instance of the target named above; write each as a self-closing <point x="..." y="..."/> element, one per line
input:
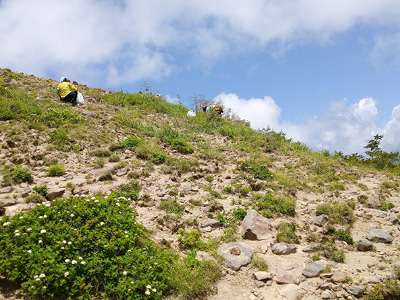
<point x="83" y="248"/>
<point x="192" y="240"/>
<point x="132" y="142"/>
<point x="344" y="235"/>
<point x="259" y="263"/>
<point x="338" y="212"/>
<point x="269" y="204"/>
<point x="16" y="174"/>
<point x="287" y="233"/>
<point x="55" y="170"/>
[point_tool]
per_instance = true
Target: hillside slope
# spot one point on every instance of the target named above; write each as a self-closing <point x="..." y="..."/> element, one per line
<point x="201" y="175"/>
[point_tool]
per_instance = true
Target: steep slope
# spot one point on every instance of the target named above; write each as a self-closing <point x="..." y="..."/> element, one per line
<point x="197" y="177"/>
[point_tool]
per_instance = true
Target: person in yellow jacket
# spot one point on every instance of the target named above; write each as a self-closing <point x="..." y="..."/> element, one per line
<point x="67" y="91"/>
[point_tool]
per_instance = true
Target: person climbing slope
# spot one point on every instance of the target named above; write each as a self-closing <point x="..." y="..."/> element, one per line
<point x="67" y="91"/>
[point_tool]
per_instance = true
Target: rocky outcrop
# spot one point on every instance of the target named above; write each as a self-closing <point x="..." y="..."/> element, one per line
<point x="256" y="227"/>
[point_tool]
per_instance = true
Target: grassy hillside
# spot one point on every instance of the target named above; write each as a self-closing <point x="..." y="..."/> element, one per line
<point x="208" y="167"/>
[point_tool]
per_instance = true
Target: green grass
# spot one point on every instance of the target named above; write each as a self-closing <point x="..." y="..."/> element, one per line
<point x="338" y="212"/>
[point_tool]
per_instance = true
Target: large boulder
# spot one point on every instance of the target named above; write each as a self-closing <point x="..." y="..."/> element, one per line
<point x="313" y="270"/>
<point x="320" y="220"/>
<point x="365" y="245"/>
<point x="256" y="227"/>
<point x="380" y="235"/>
<point x="283" y="248"/>
<point x="236" y="255"/>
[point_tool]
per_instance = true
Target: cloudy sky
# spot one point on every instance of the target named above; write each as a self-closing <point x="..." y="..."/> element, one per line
<point x="327" y="73"/>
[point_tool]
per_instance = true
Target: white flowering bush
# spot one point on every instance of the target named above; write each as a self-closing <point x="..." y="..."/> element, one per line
<point x="85" y="247"/>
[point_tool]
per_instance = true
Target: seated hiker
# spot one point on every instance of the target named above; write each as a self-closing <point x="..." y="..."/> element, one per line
<point x="67" y="91"/>
<point x="218" y="109"/>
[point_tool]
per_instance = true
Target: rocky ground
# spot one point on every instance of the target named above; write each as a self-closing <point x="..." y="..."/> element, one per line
<point x="292" y="274"/>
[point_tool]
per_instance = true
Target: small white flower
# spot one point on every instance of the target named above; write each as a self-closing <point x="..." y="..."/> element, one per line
<point x="29" y="251"/>
<point x="83" y="262"/>
<point x="154" y="290"/>
<point x="44" y="287"/>
<point x="72" y="215"/>
<point x="129" y="250"/>
<point x="29" y="229"/>
<point x="45" y="216"/>
<point x="124" y="273"/>
<point x="43" y="231"/>
<point x="37" y="279"/>
<point x="66" y="274"/>
<point x="36" y="276"/>
<point x="42" y="276"/>
<point x="64" y="241"/>
<point x="21" y="217"/>
<point x="147" y="292"/>
<point x="96" y="201"/>
<point x="17" y="234"/>
<point x="73" y="262"/>
<point x="40" y="217"/>
<point x="6" y="223"/>
<point x="62" y="248"/>
<point x="67" y="260"/>
<point x="16" y="230"/>
<point x="69" y="243"/>
<point x="148" y="286"/>
<point x="40" y="241"/>
<point x="101" y="223"/>
<point x="132" y="282"/>
<point x="80" y="258"/>
<point x="117" y="204"/>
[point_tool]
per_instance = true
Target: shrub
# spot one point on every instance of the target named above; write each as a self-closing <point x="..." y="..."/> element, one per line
<point x="256" y="168"/>
<point x="330" y="251"/>
<point x="239" y="214"/>
<point x="55" y="170"/>
<point x="259" y="263"/>
<point x="270" y="204"/>
<point x="86" y="248"/>
<point x="191" y="240"/>
<point x="150" y="152"/>
<point x="387" y="206"/>
<point x="338" y="212"/>
<point x="343" y="235"/>
<point x="35" y="198"/>
<point x="41" y="190"/>
<point x="172" y="206"/>
<point x="17" y="175"/>
<point x="287" y="233"/>
<point x="181" y="146"/>
<point x="100" y="153"/>
<point x="132" y="142"/>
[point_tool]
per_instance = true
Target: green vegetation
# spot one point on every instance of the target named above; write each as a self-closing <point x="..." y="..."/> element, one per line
<point x="270" y="204"/>
<point x="90" y="247"/>
<point x="55" y="170"/>
<point x="259" y="263"/>
<point x="344" y="235"/>
<point x="16" y="174"/>
<point x="192" y="240"/>
<point x="287" y="233"/>
<point x="338" y="212"/>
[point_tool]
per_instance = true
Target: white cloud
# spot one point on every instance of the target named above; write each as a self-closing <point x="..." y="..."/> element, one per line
<point x="261" y="113"/>
<point x="342" y="127"/>
<point x="391" y="132"/>
<point x="93" y="37"/>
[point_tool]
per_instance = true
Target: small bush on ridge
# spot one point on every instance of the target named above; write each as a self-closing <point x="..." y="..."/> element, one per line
<point x="55" y="170"/>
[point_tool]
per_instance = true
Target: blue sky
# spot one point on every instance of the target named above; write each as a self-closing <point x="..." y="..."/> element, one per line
<point x="327" y="73"/>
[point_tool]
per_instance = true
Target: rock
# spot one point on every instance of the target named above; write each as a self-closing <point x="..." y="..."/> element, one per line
<point x="291" y="292"/>
<point x="283" y="248"/>
<point x="256" y="227"/>
<point x="284" y="279"/>
<point x="365" y="245"/>
<point x="14" y="209"/>
<point x="327" y="295"/>
<point x="54" y="193"/>
<point x="259" y="283"/>
<point x="312" y="247"/>
<point x="394" y="219"/>
<point x="6" y="189"/>
<point x="171" y="191"/>
<point x="235" y="251"/>
<point x="122" y="172"/>
<point x="312" y="270"/>
<point x="25" y="192"/>
<point x="380" y="235"/>
<point x="321" y="220"/>
<point x="235" y="262"/>
<point x="262" y="275"/>
<point x="102" y="170"/>
<point x="338" y="277"/>
<point x="211" y="223"/>
<point x="356" y="290"/>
